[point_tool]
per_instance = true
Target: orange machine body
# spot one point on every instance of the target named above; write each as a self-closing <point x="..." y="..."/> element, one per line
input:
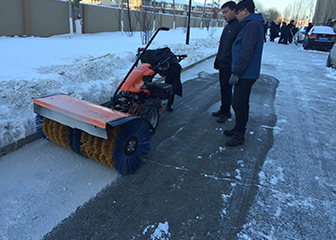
<point x="134" y="82"/>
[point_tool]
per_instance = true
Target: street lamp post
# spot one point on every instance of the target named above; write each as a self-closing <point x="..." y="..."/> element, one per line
<point x="188" y="27"/>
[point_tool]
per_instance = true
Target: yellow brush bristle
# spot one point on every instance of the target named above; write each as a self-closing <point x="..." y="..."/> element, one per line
<point x="95" y="148"/>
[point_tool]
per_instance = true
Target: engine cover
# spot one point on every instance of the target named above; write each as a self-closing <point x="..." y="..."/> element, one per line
<point x="159" y="90"/>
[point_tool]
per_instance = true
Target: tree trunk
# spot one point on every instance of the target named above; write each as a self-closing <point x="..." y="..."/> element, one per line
<point x="70" y="17"/>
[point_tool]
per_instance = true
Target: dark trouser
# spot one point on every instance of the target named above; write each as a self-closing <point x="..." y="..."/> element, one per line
<point x="283" y="39"/>
<point x="173" y="77"/>
<point x="171" y="99"/>
<point x="240" y="104"/>
<point x="226" y="89"/>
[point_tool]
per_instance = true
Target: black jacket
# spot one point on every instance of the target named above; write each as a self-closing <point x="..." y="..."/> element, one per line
<point x="173" y="73"/>
<point x="224" y="54"/>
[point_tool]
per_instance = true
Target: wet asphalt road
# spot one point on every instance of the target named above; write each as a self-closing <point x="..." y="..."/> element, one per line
<point x="189" y="174"/>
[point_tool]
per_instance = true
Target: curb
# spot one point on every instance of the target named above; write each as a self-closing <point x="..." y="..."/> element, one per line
<point x="31" y="138"/>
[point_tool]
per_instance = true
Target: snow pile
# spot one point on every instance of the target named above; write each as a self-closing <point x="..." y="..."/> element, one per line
<point x="87" y="67"/>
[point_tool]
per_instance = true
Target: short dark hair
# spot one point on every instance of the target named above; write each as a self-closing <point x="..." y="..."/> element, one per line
<point x="230" y="4"/>
<point x="248" y="4"/>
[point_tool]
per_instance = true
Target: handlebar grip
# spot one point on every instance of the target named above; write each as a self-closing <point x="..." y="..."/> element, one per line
<point x="164" y="28"/>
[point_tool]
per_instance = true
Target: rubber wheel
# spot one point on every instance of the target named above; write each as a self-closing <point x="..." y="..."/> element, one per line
<point x="150" y="111"/>
<point x="328" y="62"/>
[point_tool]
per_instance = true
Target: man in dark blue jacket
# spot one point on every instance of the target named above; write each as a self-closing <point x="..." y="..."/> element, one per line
<point x="246" y="63"/>
<point x="224" y="58"/>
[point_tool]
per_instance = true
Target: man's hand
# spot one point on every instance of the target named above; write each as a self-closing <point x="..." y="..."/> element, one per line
<point x="233" y="80"/>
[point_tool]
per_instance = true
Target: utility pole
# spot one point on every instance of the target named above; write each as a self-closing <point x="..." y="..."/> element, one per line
<point x="188" y="27"/>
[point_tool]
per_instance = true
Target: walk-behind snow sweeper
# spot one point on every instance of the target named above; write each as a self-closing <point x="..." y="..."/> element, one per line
<point x="118" y="135"/>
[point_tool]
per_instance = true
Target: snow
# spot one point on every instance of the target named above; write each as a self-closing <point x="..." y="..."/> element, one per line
<point x="85" y="66"/>
<point x="324" y="30"/>
<point x="296" y="182"/>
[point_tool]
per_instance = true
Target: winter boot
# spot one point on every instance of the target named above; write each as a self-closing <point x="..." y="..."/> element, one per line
<point x="217" y="114"/>
<point x="229" y="133"/>
<point x="223" y="117"/>
<point x="235" y="140"/>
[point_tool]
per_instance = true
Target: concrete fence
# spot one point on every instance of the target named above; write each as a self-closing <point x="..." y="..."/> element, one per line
<point x="45" y="18"/>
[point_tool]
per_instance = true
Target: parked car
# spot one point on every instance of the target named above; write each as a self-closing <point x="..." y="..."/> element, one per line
<point x="331" y="61"/>
<point x="319" y="37"/>
<point x="300" y="34"/>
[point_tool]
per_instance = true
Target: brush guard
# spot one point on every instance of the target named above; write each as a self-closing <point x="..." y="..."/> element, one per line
<point x="112" y="138"/>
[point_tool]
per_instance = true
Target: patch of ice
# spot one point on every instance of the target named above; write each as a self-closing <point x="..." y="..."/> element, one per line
<point x="161" y="232"/>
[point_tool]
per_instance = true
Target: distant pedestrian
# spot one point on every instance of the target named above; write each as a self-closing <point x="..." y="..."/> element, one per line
<point x="290" y="31"/>
<point x="274" y="33"/>
<point x="310" y="26"/>
<point x="224" y="58"/>
<point x="246" y="63"/>
<point x="283" y="34"/>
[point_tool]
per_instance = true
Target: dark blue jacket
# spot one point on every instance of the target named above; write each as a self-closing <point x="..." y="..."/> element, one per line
<point x="247" y="48"/>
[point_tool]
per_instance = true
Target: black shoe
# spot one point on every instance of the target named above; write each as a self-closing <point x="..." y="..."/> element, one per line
<point x="229" y="133"/>
<point x="217" y="114"/>
<point x="223" y="117"/>
<point x="169" y="108"/>
<point x="235" y="140"/>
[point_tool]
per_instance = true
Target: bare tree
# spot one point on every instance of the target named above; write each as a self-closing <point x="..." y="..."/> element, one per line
<point x="212" y="26"/>
<point x="287" y="12"/>
<point x="174" y="14"/>
<point x="299" y="10"/>
<point x="259" y="6"/>
<point x="270" y="15"/>
<point x="78" y="17"/>
<point x="127" y="29"/>
<point x="310" y="9"/>
<point x="122" y="16"/>
<point x="154" y="15"/>
<point x="70" y="18"/>
<point x="129" y="18"/>
<point x="203" y="15"/>
<point x="145" y="20"/>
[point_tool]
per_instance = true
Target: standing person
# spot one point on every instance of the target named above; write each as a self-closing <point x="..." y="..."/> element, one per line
<point x="290" y="30"/>
<point x="273" y="31"/>
<point x="246" y="62"/>
<point x="224" y="58"/>
<point x="310" y="25"/>
<point x="283" y="34"/>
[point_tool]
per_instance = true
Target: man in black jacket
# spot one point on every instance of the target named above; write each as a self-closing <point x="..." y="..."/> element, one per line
<point x="224" y="58"/>
<point x="291" y="27"/>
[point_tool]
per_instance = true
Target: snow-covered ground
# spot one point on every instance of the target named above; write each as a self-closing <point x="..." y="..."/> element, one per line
<point x="85" y="66"/>
<point x="297" y="190"/>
